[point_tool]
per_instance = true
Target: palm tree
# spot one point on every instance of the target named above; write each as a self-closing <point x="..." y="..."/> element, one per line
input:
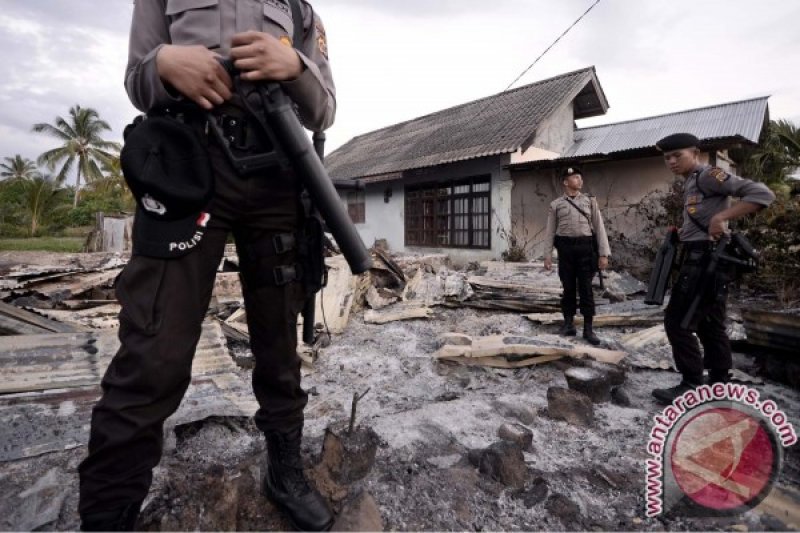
<point x="41" y="199"/>
<point x="112" y="182"/>
<point x="775" y="157"/>
<point x="18" y="167"/>
<point x="789" y="136"/>
<point x="82" y="142"/>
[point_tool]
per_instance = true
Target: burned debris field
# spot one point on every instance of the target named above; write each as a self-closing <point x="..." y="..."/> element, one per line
<point x="471" y="413"/>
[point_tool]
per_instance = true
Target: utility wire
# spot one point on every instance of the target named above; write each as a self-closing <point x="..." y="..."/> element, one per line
<point x="489" y="103"/>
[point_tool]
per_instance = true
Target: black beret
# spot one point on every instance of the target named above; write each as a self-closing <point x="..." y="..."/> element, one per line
<point x="169" y="173"/>
<point x="570" y="171"/>
<point x="677" y="141"/>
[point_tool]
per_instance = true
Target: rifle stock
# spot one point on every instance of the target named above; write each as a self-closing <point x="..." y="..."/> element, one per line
<point x="662" y="268"/>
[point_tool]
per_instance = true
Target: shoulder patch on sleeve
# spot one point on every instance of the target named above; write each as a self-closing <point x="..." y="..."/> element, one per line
<point x="322" y="39"/>
<point x="718" y="174"/>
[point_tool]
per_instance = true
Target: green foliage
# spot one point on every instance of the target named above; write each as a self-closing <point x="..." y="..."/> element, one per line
<point x="776" y="156"/>
<point x="44" y="203"/>
<point x="18" y="167"/>
<point x="82" y="144"/>
<point x="89" y="206"/>
<point x="775" y="232"/>
<point x="45" y="244"/>
<point x="31" y="204"/>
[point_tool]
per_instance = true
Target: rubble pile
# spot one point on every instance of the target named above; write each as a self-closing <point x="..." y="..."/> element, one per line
<point x="439" y="399"/>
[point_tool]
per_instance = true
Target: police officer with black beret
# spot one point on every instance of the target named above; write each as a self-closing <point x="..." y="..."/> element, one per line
<point x="707" y="210"/>
<point x="575" y="228"/>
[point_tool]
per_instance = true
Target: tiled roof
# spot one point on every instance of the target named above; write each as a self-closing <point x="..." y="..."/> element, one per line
<point x="498" y="124"/>
<point x="742" y="120"/>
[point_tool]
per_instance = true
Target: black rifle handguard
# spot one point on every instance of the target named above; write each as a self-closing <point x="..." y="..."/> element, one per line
<point x="281" y="125"/>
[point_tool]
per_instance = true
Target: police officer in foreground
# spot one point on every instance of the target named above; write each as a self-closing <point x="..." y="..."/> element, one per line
<point x="707" y="210"/>
<point x="166" y="287"/>
<point x="575" y="227"/>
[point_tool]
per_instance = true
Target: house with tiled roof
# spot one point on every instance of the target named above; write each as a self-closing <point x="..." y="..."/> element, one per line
<point x="453" y="180"/>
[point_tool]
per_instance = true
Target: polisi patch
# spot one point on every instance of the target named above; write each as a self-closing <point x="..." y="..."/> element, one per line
<point x="186" y="245"/>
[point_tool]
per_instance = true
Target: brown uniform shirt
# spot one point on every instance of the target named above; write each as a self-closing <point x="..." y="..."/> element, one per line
<point x="566" y="221"/>
<point x="212" y="23"/>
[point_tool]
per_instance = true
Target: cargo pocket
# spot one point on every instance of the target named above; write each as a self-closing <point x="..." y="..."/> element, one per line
<point x="138" y="289"/>
<point x="194" y="22"/>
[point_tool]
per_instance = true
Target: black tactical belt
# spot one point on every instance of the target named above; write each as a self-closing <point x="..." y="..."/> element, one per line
<point x="573" y="240"/>
<point x="697" y="245"/>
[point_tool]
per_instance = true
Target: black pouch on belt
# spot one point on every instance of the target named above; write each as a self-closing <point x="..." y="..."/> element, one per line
<point x="312" y="255"/>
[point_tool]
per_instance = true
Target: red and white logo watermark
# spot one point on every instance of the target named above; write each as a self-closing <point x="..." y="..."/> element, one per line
<point x="717" y="450"/>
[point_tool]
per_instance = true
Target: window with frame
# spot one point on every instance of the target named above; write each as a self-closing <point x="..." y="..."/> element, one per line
<point x="453" y="214"/>
<point x="356" y="208"/>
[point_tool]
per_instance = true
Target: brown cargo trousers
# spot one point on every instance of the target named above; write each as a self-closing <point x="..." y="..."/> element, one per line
<point x="163" y="306"/>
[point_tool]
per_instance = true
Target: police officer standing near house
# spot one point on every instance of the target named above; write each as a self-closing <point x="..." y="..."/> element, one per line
<point x="164" y="291"/>
<point x="575" y="227"/>
<point x="707" y="210"/>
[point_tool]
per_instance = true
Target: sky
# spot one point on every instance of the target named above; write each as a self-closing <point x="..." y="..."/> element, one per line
<point x="397" y="60"/>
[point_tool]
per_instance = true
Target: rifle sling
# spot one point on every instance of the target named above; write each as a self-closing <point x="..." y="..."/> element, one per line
<point x="588" y="219"/>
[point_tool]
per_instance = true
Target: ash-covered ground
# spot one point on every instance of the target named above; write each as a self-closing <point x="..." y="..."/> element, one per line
<point x="428" y="416"/>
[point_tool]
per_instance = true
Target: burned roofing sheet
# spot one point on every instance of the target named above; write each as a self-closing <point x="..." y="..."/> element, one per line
<point x="498" y="124"/>
<point x="49" y="384"/>
<point x="742" y="120"/>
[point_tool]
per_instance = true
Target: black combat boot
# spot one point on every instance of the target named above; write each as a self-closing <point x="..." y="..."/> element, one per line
<point x="120" y="519"/>
<point x="588" y="333"/>
<point x="567" y="329"/>
<point x="667" y="396"/>
<point x="287" y="486"/>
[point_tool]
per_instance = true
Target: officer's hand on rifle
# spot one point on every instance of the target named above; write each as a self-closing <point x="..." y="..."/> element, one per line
<point x="548" y="263"/>
<point x="195" y="72"/>
<point x="602" y="263"/>
<point x="260" y="56"/>
<point x="717" y="227"/>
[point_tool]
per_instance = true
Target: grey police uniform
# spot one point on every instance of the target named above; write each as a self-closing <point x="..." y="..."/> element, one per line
<point x="570" y="232"/>
<point x="164" y="301"/>
<point x="707" y="191"/>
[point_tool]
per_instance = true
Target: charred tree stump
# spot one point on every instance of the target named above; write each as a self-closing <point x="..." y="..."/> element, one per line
<point x="349" y="455"/>
<point x="593" y="383"/>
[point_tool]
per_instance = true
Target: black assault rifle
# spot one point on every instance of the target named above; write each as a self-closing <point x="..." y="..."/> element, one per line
<point x="733" y="251"/>
<point x="290" y="147"/>
<point x="287" y="146"/>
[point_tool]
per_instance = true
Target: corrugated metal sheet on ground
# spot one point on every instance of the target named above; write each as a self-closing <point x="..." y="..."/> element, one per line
<point x="50" y="384"/>
<point x="780" y="331"/>
<point x="18" y="321"/>
<point x="744" y="119"/>
<point x="56" y="361"/>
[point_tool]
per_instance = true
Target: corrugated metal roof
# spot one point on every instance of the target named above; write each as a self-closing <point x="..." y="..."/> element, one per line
<point x="744" y="120"/>
<point x="504" y="123"/>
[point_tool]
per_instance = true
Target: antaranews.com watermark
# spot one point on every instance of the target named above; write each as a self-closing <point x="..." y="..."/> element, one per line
<point x="717" y="450"/>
